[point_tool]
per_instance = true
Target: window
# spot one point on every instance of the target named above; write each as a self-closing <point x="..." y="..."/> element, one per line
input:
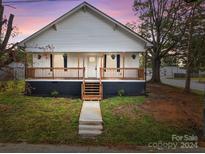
<point x="65" y="60"/>
<point x="105" y="62"/>
<point x="51" y="62"/>
<point x="118" y="63"/>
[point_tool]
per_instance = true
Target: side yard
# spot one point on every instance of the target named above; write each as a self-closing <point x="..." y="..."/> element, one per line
<point x="167" y="111"/>
<point x="37" y="119"/>
<point x="197" y="79"/>
<point x="136" y="120"/>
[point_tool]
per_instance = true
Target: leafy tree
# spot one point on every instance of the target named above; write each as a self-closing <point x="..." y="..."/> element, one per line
<point x="162" y="22"/>
<point x="170" y="61"/>
<point x="192" y="44"/>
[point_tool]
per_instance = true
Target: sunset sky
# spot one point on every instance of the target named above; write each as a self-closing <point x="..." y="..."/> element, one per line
<point x="30" y="17"/>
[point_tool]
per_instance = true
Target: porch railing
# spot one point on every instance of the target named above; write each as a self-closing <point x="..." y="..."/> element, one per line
<point x="122" y="73"/>
<point x="79" y="73"/>
<point x="55" y="73"/>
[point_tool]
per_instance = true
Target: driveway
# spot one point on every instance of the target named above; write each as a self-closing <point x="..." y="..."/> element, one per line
<point x="181" y="83"/>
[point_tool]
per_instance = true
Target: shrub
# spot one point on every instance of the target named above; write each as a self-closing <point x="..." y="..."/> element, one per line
<point x="121" y="92"/>
<point x="54" y="93"/>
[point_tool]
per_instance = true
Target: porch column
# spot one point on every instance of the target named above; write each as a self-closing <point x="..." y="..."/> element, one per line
<point x="78" y="66"/>
<point x="123" y="65"/>
<point x="83" y="67"/>
<point x="101" y="67"/>
<point x="53" y="68"/>
<point x="26" y="63"/>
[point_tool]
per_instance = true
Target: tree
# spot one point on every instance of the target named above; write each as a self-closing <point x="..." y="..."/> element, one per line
<point x="162" y="22"/>
<point x="170" y="61"/>
<point x="6" y="30"/>
<point x="192" y="45"/>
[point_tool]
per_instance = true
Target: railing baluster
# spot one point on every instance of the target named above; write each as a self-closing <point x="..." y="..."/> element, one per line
<point x="79" y="73"/>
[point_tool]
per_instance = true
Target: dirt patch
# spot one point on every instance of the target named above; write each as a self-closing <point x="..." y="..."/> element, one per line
<point x="167" y="105"/>
<point x="173" y="106"/>
<point x="5" y="108"/>
<point x="130" y="111"/>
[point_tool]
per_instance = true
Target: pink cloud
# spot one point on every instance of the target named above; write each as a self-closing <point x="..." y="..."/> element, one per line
<point x="34" y="24"/>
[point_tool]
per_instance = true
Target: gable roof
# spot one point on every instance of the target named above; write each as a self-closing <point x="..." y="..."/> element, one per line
<point x="80" y="6"/>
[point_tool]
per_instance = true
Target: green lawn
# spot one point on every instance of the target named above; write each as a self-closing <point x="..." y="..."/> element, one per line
<point x="125" y="123"/>
<point x="37" y="119"/>
<point x="55" y="120"/>
<point x="198" y="79"/>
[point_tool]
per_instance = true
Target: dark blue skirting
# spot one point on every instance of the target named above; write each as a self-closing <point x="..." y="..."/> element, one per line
<point x="73" y="88"/>
<point x="129" y="88"/>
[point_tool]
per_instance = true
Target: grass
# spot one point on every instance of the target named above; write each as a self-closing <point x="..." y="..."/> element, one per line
<point x="37" y="119"/>
<point x="55" y="120"/>
<point x="140" y="129"/>
<point x="198" y="79"/>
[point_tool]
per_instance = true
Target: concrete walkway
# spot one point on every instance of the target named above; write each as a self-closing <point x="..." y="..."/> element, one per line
<point x="90" y="122"/>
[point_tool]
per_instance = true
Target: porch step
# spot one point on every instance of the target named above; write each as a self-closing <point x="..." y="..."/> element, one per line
<point x="92" y="98"/>
<point x="91" y="91"/>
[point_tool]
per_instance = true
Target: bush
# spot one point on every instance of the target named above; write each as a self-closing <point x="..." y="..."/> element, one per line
<point x="121" y="92"/>
<point x="54" y="93"/>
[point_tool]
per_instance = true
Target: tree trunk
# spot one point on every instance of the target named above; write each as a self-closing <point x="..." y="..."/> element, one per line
<point x="189" y="60"/>
<point x="188" y="79"/>
<point x="8" y="32"/>
<point x="156" y="70"/>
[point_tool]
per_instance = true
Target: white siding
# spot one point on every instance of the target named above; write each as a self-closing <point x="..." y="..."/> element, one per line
<point x="86" y="32"/>
<point x="129" y="61"/>
<point x="44" y="61"/>
<point x="58" y="60"/>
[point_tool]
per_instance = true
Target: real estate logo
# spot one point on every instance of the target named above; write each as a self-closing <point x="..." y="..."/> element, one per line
<point x="180" y="142"/>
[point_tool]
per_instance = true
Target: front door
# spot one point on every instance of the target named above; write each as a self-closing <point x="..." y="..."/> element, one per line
<point x="92" y="67"/>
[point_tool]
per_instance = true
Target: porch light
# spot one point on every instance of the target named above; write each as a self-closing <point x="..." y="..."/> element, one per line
<point x="64" y="55"/>
<point x="113" y="56"/>
<point x="133" y="56"/>
<point x="39" y="56"/>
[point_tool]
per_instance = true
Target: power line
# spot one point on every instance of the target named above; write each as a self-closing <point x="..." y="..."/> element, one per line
<point x="32" y="1"/>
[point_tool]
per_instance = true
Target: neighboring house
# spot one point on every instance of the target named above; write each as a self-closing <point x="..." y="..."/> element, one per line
<point x="85" y="53"/>
<point x="202" y="73"/>
<point x="168" y="72"/>
<point x="172" y="71"/>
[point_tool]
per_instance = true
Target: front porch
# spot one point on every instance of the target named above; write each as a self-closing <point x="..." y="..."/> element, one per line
<point x="98" y="75"/>
<point x="90" y="66"/>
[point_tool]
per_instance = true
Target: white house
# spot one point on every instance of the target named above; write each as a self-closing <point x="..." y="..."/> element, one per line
<point x="85" y="53"/>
